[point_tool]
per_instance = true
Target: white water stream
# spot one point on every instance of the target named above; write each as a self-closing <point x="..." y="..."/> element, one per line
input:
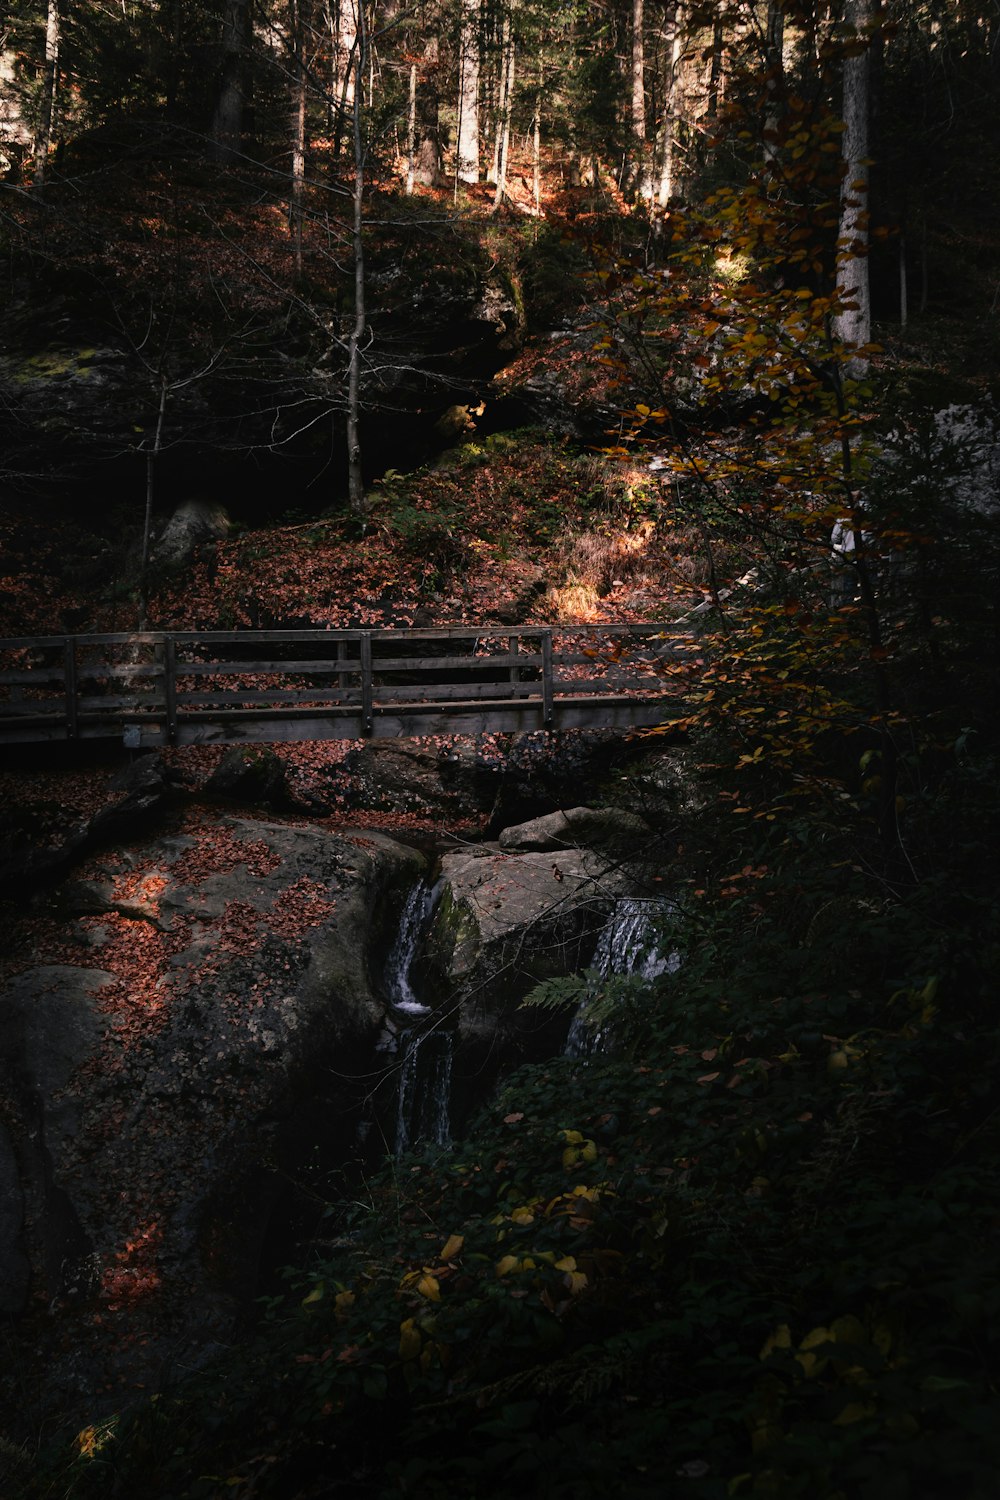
<point x="424" y="1051"/>
<point x="629" y="944"/>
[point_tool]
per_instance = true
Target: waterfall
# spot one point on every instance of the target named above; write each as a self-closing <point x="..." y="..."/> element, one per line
<point x="628" y="941"/>
<point x="628" y="946"/>
<point x="423" y="1109"/>
<point x="413" y="921"/>
<point x="423" y="1050"/>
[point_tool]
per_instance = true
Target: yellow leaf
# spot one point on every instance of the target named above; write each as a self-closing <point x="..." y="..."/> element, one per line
<point x="811" y="1363"/>
<point x="568" y="1263"/>
<point x="507" y="1264"/>
<point x="848" y="1330"/>
<point x="589" y="1152"/>
<point x="781" y="1338"/>
<point x="575" y="1281"/>
<point x="572" y="1137"/>
<point x="453" y="1246"/>
<point x="410" y="1341"/>
<point x="854" y="1411"/>
<point x="522" y="1216"/>
<point x="429" y="1287"/>
<point x="342" y="1302"/>
<point x="316" y="1295"/>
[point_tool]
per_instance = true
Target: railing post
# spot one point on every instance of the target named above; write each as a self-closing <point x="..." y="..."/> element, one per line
<point x="69" y="680"/>
<point x="343" y="679"/>
<point x="513" y="644"/>
<point x="547" y="678"/>
<point x="367" y="714"/>
<point x="170" y="685"/>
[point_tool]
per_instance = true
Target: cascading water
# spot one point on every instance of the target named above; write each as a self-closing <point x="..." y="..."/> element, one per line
<point x="413" y="922"/>
<point x="629" y="944"/>
<point x="423" y="1051"/>
<point x="423" y="1111"/>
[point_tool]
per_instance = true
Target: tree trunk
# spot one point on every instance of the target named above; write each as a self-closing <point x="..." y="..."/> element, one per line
<point x="227" y="122"/>
<point x="774" y="61"/>
<point x="501" y="147"/>
<point x="536" y="141"/>
<point x="355" y="482"/>
<point x="672" y="49"/>
<point x="152" y="455"/>
<point x="639" y="177"/>
<point x="46" y="129"/>
<point x="467" y="152"/>
<point x="174" y="22"/>
<point x="428" y="148"/>
<point x="852" y="323"/>
<point x="411" y="133"/>
<point x="296" y="205"/>
<point x="715" y="75"/>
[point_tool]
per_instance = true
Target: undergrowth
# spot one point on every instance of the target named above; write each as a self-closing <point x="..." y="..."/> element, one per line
<point x="748" y="1251"/>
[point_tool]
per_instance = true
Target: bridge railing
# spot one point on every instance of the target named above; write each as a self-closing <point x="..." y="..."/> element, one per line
<point x="188" y="686"/>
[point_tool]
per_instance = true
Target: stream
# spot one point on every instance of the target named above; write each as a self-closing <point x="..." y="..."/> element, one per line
<point x="423" y="1044"/>
<point x="422" y="1040"/>
<point x="629" y="945"/>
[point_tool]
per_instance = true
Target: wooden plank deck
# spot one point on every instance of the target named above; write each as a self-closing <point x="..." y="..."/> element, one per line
<point x="158" y="688"/>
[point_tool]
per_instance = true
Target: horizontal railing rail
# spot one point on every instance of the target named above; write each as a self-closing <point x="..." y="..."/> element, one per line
<point x="155" y="687"/>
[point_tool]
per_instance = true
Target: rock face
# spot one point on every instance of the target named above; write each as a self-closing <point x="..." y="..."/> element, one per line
<point x="37" y="845"/>
<point x="252" y="774"/>
<point x="507" y="920"/>
<point x="534" y="775"/>
<point x="193" y="524"/>
<point x="597" y="827"/>
<point x="156" y="1086"/>
<point x="402" y="776"/>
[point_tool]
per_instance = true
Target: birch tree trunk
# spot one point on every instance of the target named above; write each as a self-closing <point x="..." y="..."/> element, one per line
<point x="852" y="324"/>
<point x="343" y="41"/>
<point x="411" y="132"/>
<point x="46" y="129"/>
<point x="467" y="153"/>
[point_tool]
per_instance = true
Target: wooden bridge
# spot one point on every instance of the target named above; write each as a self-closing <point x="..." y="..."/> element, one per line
<point x="196" y="687"/>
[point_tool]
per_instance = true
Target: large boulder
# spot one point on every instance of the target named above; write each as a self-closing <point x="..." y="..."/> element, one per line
<point x="594" y="827"/>
<point x="226" y="1002"/>
<point x="253" y="774"/>
<point x="504" y="922"/>
<point x="193" y="524"/>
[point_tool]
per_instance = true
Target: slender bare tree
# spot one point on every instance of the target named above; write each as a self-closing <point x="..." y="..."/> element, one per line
<point x="852" y="323"/>
<point x="50" y="98"/>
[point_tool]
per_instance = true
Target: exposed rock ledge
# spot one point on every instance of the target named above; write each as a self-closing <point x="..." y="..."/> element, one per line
<point x="151" y="1087"/>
